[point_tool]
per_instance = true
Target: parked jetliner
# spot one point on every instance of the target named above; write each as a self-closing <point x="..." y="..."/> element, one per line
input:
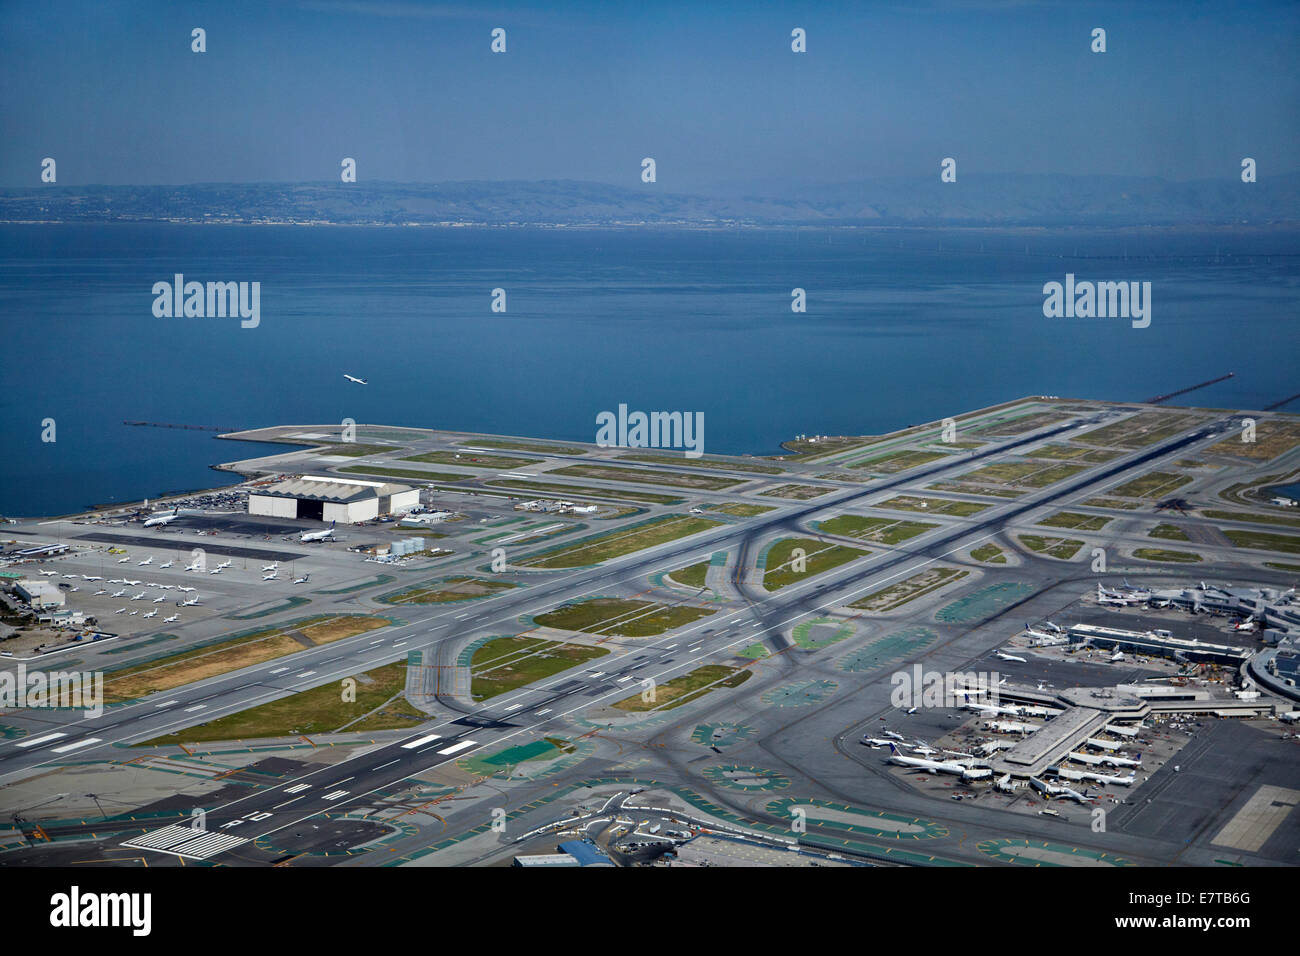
<point x="169" y="620"/>
<point x="196" y="566"/>
<point x="138" y="597"/>
<point x="303" y="579"/>
<point x="167" y="565"/>
<point x="153" y="613"/>
<point x="938" y="766"/>
<point x="1004" y="656"/>
<point x="89" y="577"/>
<point x="877" y="741"/>
<point x="160" y="599"/>
<point x="920" y="763"/>
<point x="118" y="594"/>
<point x="148" y="560"/>
<point x="273" y="566"/>
<point x="1050" y="790"/>
<point x="891" y="735"/>
<point x="270" y="577"/>
<point x="1114" y="761"/>
<point x="352" y="378"/>
<point x="161" y="519"/>
<point x="190" y="603"/>
<point x="223" y="564"/>
<point x="317" y="535"/>
<point x="1005" y="784"/>
<point x="124" y="560"/>
<point x="48" y="574"/>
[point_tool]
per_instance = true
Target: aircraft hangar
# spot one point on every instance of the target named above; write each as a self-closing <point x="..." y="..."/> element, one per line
<point x="331" y="498"/>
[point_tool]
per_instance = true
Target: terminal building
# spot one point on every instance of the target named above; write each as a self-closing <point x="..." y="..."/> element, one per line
<point x="331" y="498"/>
<point x="1157" y="644"/>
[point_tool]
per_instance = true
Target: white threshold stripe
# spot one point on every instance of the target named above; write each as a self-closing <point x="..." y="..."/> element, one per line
<point x="456" y="748"/>
<point x="41" y="740"/>
<point x="419" y="741"/>
<point x="76" y="745"/>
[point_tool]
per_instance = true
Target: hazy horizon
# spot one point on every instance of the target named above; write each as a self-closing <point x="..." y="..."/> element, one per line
<point x="716" y="96"/>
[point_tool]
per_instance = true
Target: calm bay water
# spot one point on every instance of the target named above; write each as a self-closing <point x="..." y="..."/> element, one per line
<point x="902" y="326"/>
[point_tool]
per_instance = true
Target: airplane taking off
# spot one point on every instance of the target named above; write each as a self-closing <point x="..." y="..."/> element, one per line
<point x="169" y="620"/>
<point x="303" y="579"/>
<point x="351" y="378"/>
<point x="1004" y="656"/>
<point x="161" y="519"/>
<point x="317" y="535"/>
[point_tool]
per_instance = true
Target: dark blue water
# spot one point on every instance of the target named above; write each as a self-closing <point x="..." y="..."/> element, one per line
<point x="902" y="326"/>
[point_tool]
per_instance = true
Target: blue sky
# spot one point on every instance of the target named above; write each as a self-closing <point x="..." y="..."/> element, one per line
<point x="585" y="90"/>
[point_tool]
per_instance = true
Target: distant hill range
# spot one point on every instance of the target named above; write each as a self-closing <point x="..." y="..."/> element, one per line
<point x="991" y="200"/>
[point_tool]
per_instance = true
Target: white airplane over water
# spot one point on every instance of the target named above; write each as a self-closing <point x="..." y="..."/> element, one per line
<point x="351" y="378"/>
